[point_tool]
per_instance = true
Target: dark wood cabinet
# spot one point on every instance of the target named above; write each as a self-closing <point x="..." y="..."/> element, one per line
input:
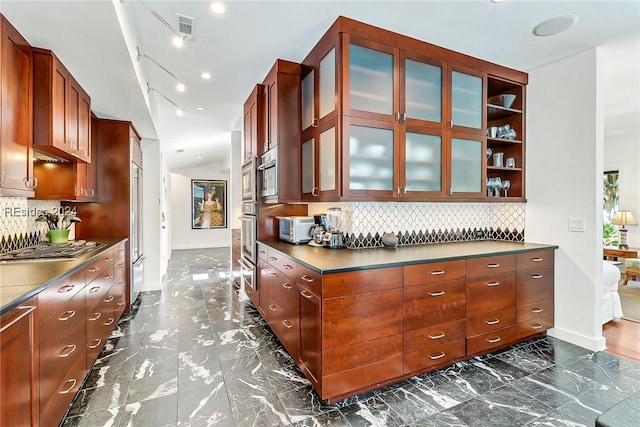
<point x="310" y="328"/>
<point x="16" y="113"/>
<point x="19" y="366"/>
<point x="62" y="110"/>
<point x="253" y="122"/>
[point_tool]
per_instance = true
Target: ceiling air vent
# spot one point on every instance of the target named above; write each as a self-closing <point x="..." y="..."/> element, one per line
<point x="185" y="26"/>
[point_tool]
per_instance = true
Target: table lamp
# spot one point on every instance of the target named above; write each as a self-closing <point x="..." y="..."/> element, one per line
<point x="623" y="218"/>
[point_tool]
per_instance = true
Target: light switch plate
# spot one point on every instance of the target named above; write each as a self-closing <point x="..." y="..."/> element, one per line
<point x="576" y="225"/>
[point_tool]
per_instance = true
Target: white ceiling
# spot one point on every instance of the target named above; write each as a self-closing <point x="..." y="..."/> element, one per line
<point x="97" y="42"/>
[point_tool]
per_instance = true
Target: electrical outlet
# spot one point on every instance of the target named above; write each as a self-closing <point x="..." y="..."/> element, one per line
<point x="576" y="225"/>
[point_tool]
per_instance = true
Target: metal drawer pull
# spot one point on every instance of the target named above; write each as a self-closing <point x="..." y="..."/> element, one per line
<point x="65" y="289"/>
<point x="73" y="384"/>
<point x="67" y="315"/>
<point x="436" y="273"/>
<point x="287" y="323"/>
<point x="439" y="356"/>
<point x="97" y="342"/>
<point x="273" y="275"/>
<point x="108" y="259"/>
<point x="286" y="285"/>
<point x="494" y="340"/>
<point x="492" y="284"/>
<point x="120" y="303"/>
<point x="94" y="269"/>
<point x="306" y="278"/>
<point x="492" y="322"/>
<point x="537" y="259"/>
<point x="28" y="308"/>
<point x="494" y="265"/>
<point x="537" y="310"/>
<point x="537" y="276"/>
<point x="437" y="337"/>
<point x="287" y="266"/>
<point x="109" y="298"/>
<point x="94" y="289"/>
<point x="436" y="294"/>
<point x="272" y="258"/>
<point x="109" y="276"/>
<point x="273" y="307"/>
<point x="96" y="317"/>
<point x="305" y="294"/>
<point x="537" y="326"/>
<point x="121" y="265"/>
<point x="109" y="321"/>
<point x="71" y="347"/>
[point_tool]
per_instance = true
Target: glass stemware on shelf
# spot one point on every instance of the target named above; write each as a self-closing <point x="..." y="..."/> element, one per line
<point x="494" y="185"/>
<point x="506" y="185"/>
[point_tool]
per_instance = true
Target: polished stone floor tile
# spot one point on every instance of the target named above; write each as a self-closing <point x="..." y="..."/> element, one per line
<point x="196" y="354"/>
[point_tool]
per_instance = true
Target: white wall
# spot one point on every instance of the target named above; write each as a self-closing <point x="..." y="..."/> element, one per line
<point x="182" y="235"/>
<point x="235" y="194"/>
<point x="154" y="267"/>
<point x="564" y="179"/>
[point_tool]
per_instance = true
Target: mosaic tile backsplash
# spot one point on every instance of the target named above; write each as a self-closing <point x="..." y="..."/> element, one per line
<point x="364" y="223"/>
<point x="18" y="228"/>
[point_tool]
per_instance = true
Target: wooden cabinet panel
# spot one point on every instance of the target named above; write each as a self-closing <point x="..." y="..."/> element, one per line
<point x="19" y="388"/>
<point x="310" y="333"/>
<point x="534" y="310"/>
<point x="484" y="266"/>
<point x="534" y="326"/>
<point x="491" y="321"/>
<point x="357" y="282"/>
<point x="534" y="285"/>
<point x="421" y="274"/>
<point x="252" y="144"/>
<point x="490" y="293"/>
<point x="433" y="304"/>
<point x="63" y="394"/>
<point x="57" y="327"/>
<point x="491" y="340"/>
<point x="52" y="298"/>
<point x="356" y="355"/>
<point x="351" y="319"/>
<point x="534" y="259"/>
<point x="434" y="355"/>
<point x="419" y="339"/>
<point x="367" y="376"/>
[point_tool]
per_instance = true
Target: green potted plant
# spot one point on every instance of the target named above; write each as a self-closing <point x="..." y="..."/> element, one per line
<point x="58" y="225"/>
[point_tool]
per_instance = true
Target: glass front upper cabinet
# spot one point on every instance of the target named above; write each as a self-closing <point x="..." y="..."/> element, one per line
<point x="423" y="164"/>
<point x="466" y="100"/>
<point x="327" y="89"/>
<point x="422" y="91"/>
<point x="371" y="158"/>
<point x="467" y="166"/>
<point x="371" y="85"/>
<point x="307" y="90"/>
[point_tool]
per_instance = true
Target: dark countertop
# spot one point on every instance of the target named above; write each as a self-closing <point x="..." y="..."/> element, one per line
<point x="325" y="260"/>
<point x="20" y="281"/>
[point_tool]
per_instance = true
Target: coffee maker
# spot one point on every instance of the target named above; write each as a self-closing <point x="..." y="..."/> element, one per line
<point x="318" y="230"/>
<point x="333" y="238"/>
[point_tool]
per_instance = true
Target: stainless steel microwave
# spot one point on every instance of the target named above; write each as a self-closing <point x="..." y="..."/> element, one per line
<point x="295" y="229"/>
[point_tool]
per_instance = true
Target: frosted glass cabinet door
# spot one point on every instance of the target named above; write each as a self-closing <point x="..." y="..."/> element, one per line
<point x="307" y="100"/>
<point x="466" y="100"/>
<point x="328" y="160"/>
<point x="423" y="170"/>
<point x="423" y="91"/>
<point x="308" y="166"/>
<point x="328" y="83"/>
<point x="370" y="80"/>
<point x="466" y="165"/>
<point x="370" y="158"/>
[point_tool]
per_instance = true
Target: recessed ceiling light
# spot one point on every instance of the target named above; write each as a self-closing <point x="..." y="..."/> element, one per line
<point x="181" y="86"/>
<point x="218" y="8"/>
<point x="555" y="25"/>
<point x="180" y="112"/>
<point x="177" y="41"/>
<point x="199" y="156"/>
<point x="497" y="1"/>
<point x="206" y="75"/>
<point x="200" y="108"/>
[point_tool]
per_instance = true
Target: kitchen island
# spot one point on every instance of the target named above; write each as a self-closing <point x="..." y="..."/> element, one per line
<point x="356" y="320"/>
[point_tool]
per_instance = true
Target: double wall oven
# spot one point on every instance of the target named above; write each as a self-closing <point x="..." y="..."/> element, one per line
<point x="249" y="231"/>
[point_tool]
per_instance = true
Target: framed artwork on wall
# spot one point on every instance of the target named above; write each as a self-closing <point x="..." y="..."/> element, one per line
<point x="208" y="204"/>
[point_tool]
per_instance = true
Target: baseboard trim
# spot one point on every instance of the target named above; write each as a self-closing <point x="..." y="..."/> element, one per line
<point x="593" y="344"/>
<point x="198" y="246"/>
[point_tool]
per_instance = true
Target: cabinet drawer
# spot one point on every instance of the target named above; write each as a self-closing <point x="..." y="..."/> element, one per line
<point x="283" y="290"/>
<point x="422" y="274"/>
<point x="358" y="282"/>
<point x="534" y="259"/>
<point x="53" y="371"/>
<point x="281" y="262"/>
<point x="433" y="304"/>
<point x="434" y="356"/>
<point x="98" y="288"/>
<point x="119" y="270"/>
<point x="366" y="353"/>
<point x="56" y="295"/>
<point x="534" y="310"/>
<point x="535" y="326"/>
<point x="119" y="291"/>
<point x="63" y="394"/>
<point x="434" y="335"/>
<point x="97" y="266"/>
<point x="359" y="318"/>
<point x="491" y="321"/>
<point x="262" y="251"/>
<point x="534" y="285"/>
<point x="491" y="340"/>
<point x="98" y="330"/>
<point x="309" y="280"/>
<point x="120" y="249"/>
<point x="58" y="326"/>
<point x="490" y="265"/>
<point x="287" y="329"/>
<point x="490" y="293"/>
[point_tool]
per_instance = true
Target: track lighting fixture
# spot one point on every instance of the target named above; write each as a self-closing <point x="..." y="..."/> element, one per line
<point x="180" y="86"/>
<point x="179" y="37"/>
<point x="179" y="109"/>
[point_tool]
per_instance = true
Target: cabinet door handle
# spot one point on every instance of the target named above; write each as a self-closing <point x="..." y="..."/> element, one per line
<point x="108" y="276"/>
<point x="70" y="347"/>
<point x="73" y="384"/>
<point x="273" y="275"/>
<point x="536" y="326"/>
<point x="436" y="294"/>
<point x="492" y="284"/>
<point x="403" y="117"/>
<point x="439" y="356"/>
<point x="65" y="289"/>
<point x="537" y="259"/>
<point x="537" y="276"/>
<point x="397" y="116"/>
<point x="94" y="289"/>
<point x="273" y="307"/>
<point x="28" y="309"/>
<point x="31" y="183"/>
<point x="306" y="278"/>
<point x="306" y="294"/>
<point x="80" y="191"/>
<point x="287" y="323"/>
<point x="95" y="317"/>
<point x="314" y="192"/>
<point x="121" y="265"/>
<point x="397" y="191"/>
<point x="437" y="337"/>
<point x="492" y="322"/>
<point x="493" y="340"/>
<point x="93" y="192"/>
<point x="108" y="259"/>
<point x="94" y="269"/>
<point x="450" y="123"/>
<point x="67" y="315"/>
<point x="493" y="265"/>
<point x="404" y="191"/>
<point x="287" y="267"/>
<point x="97" y="342"/>
<point x="109" y="321"/>
<point x="121" y="303"/>
<point x="109" y="299"/>
<point x="437" y="273"/>
<point x="272" y="258"/>
<point x="287" y="285"/>
<point x="314" y="123"/>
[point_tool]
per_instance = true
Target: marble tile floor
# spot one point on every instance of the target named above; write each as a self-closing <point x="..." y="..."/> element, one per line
<point x="193" y="354"/>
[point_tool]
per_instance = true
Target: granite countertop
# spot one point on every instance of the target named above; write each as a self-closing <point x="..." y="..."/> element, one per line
<point x="21" y="280"/>
<point x="324" y="260"/>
